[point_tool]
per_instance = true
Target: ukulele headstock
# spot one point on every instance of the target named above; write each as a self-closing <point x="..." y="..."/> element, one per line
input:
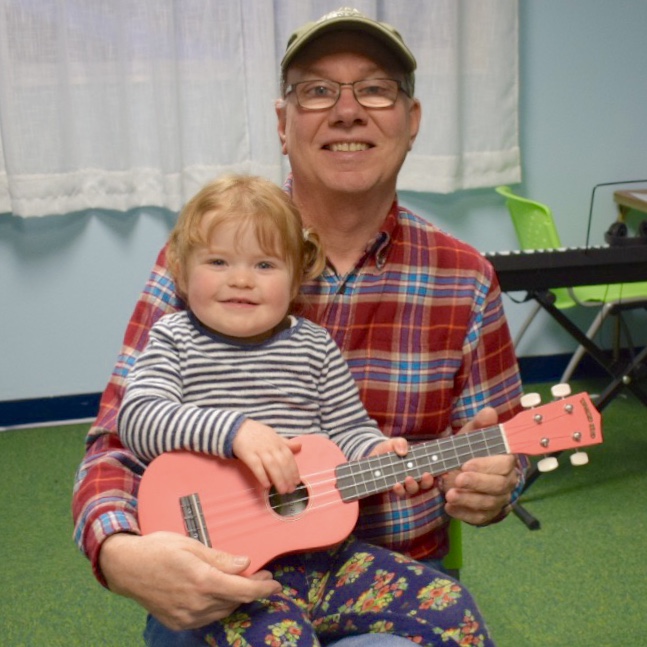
<point x="569" y="422"/>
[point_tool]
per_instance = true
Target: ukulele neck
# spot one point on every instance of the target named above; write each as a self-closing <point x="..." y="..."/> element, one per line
<point x="362" y="478"/>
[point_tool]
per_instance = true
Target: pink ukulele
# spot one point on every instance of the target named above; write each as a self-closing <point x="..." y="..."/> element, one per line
<point x="220" y="503"/>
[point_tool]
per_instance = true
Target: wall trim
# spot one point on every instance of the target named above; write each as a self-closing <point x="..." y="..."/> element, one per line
<point x="40" y="412"/>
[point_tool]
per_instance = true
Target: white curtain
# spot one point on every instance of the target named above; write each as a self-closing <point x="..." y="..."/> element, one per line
<point x="125" y="103"/>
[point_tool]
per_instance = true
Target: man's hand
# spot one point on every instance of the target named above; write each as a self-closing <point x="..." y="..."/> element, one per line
<point x="181" y="582"/>
<point x="480" y="490"/>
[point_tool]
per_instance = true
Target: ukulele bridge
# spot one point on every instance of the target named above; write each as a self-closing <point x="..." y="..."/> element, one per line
<point x="194" y="522"/>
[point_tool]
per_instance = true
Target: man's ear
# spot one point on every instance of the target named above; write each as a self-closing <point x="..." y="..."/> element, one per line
<point x="280" y="126"/>
<point x="415" y="115"/>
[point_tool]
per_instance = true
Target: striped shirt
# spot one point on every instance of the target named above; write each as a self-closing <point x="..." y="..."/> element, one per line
<point x="192" y="389"/>
<point x="420" y="322"/>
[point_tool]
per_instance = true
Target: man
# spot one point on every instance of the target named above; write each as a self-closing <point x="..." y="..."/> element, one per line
<point x="417" y="315"/>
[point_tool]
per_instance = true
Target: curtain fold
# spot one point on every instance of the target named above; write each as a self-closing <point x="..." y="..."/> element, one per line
<point x="123" y="104"/>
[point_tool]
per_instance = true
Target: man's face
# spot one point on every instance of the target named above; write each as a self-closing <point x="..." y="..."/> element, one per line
<point x="347" y="148"/>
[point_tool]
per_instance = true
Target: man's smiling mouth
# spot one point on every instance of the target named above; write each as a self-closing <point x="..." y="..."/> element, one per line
<point x="347" y="147"/>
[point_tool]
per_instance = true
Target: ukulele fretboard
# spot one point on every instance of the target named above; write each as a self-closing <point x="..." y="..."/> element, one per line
<point x="359" y="479"/>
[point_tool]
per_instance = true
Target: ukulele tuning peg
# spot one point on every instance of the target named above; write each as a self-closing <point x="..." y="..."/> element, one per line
<point x="560" y="391"/>
<point x="579" y="458"/>
<point x="530" y="400"/>
<point x="547" y="464"/>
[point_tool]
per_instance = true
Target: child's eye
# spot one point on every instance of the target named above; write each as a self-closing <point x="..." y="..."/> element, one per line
<point x="265" y="265"/>
<point x="217" y="262"/>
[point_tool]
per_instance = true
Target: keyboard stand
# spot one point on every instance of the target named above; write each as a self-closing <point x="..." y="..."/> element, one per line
<point x="622" y="376"/>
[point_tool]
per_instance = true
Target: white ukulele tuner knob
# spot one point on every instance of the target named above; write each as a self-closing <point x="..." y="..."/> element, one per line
<point x="560" y="390"/>
<point x="547" y="464"/>
<point x="530" y="400"/>
<point x="579" y="458"/>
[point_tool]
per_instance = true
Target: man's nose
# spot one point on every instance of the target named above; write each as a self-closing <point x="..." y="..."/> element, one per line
<point x="347" y="106"/>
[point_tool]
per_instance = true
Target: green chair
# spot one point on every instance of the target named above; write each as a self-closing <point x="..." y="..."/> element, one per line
<point x="535" y="228"/>
<point x="453" y="561"/>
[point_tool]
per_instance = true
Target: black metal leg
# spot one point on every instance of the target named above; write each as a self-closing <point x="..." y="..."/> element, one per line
<point x="531" y="522"/>
<point x="624" y="380"/>
<point x="622" y="377"/>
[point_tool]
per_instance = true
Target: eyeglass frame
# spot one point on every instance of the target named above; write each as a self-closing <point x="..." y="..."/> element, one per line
<point x="402" y="86"/>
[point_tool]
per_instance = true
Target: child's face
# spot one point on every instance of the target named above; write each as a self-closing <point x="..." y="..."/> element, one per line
<point x="236" y="289"/>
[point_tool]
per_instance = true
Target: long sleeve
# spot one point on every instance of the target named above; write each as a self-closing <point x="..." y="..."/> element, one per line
<point x="106" y="482"/>
<point x="491" y="367"/>
<point x="157" y="415"/>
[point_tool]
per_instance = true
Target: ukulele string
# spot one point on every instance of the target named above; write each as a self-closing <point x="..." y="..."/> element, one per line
<point x="321" y="491"/>
<point x="233" y="524"/>
<point x="225" y="504"/>
<point x="455" y="450"/>
<point x="241" y="526"/>
<point x="365" y="477"/>
<point x="452" y="452"/>
<point x="315" y="484"/>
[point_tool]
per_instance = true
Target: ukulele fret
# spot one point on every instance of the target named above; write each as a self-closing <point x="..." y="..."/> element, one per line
<point x="194" y="520"/>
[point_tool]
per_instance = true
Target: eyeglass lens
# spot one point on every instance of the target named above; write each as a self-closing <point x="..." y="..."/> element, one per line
<point x="370" y="93"/>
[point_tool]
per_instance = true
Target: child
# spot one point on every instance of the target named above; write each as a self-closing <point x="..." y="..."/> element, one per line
<point x="237" y="376"/>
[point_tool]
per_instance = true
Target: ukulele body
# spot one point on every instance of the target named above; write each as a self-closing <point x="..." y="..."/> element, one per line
<point x="239" y="515"/>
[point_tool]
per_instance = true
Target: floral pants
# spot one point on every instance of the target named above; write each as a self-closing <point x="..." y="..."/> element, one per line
<point x="353" y="589"/>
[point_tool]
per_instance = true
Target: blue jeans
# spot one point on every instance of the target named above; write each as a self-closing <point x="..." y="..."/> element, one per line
<point x="369" y="640"/>
<point x="157" y="635"/>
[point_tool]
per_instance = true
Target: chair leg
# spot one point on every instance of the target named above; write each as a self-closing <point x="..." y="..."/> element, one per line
<point x="590" y="333"/>
<point x="526" y="323"/>
<point x="453" y="561"/>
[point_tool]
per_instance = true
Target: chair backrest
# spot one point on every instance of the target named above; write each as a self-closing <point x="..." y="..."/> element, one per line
<point x="533" y="221"/>
<point x="535" y="227"/>
<point x="453" y="561"/>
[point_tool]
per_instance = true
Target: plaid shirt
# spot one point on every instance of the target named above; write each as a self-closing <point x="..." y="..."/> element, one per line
<point x="420" y="322"/>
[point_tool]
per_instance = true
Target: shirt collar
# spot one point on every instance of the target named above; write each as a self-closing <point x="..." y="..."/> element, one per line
<point x="378" y="247"/>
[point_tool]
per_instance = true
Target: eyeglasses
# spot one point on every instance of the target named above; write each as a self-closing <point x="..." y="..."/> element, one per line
<point x="322" y="94"/>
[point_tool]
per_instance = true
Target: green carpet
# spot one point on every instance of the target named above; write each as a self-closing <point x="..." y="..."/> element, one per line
<point x="579" y="580"/>
<point x="48" y="595"/>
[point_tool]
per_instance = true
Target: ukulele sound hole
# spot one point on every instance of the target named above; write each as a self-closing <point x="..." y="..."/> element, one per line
<point x="289" y="505"/>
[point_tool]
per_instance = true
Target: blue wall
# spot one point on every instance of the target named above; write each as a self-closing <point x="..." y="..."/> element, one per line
<point x="68" y="284"/>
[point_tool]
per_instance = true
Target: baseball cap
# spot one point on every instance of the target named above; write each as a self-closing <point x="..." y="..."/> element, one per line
<point x="349" y="19"/>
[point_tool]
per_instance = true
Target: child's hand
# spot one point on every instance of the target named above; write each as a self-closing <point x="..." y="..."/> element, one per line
<point x="410" y="485"/>
<point x="269" y="456"/>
